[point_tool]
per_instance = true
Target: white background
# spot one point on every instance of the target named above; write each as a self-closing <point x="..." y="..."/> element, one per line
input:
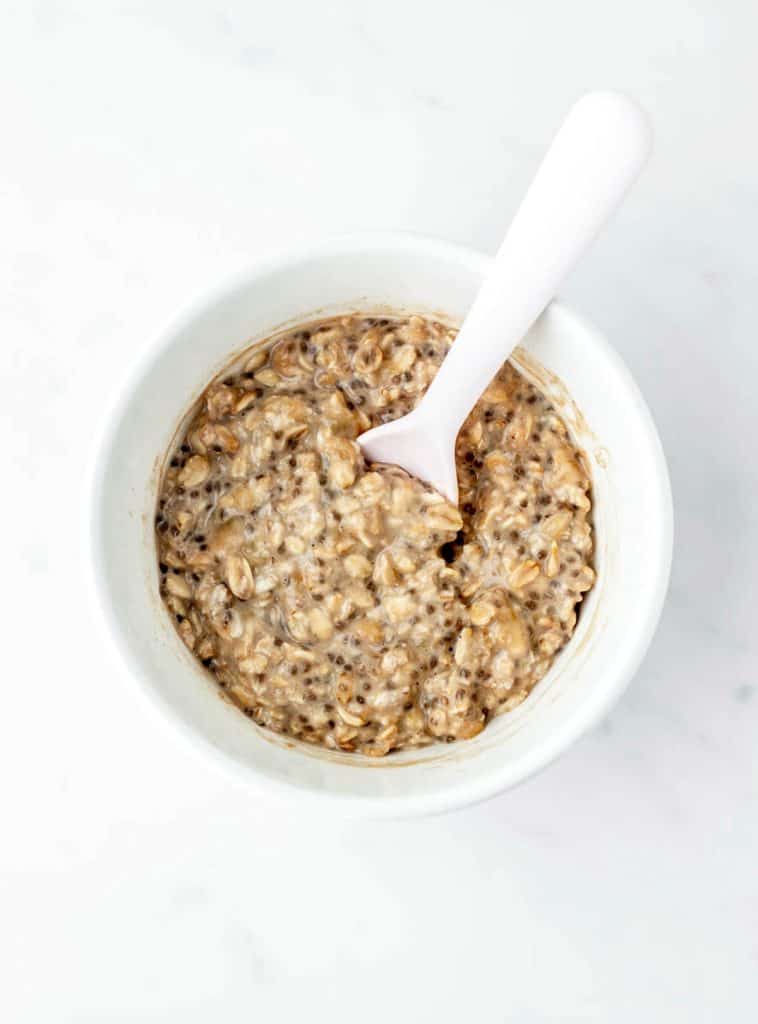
<point x="148" y="149"/>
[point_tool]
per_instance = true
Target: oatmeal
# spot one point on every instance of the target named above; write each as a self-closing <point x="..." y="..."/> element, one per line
<point x="351" y="605"/>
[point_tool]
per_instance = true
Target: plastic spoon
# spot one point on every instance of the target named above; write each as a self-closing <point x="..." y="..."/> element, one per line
<point x="596" y="155"/>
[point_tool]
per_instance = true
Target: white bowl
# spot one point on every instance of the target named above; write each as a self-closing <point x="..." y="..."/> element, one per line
<point x="632" y="514"/>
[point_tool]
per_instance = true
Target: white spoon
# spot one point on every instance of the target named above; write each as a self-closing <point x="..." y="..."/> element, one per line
<point x="596" y="155"/>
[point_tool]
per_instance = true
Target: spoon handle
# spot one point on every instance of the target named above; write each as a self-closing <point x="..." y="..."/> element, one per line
<point x="596" y="155"/>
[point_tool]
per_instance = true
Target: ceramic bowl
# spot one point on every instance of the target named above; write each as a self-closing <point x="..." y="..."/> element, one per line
<point x="632" y="516"/>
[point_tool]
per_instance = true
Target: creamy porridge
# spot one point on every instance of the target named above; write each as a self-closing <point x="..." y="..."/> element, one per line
<point x="350" y="605"/>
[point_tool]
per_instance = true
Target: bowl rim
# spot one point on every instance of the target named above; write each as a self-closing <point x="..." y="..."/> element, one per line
<point x="464" y="791"/>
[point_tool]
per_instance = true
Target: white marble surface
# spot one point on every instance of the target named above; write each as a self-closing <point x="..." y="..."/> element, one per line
<point x="149" y="148"/>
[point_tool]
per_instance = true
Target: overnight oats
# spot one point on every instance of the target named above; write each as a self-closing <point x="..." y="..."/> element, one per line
<point x="350" y="605"/>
